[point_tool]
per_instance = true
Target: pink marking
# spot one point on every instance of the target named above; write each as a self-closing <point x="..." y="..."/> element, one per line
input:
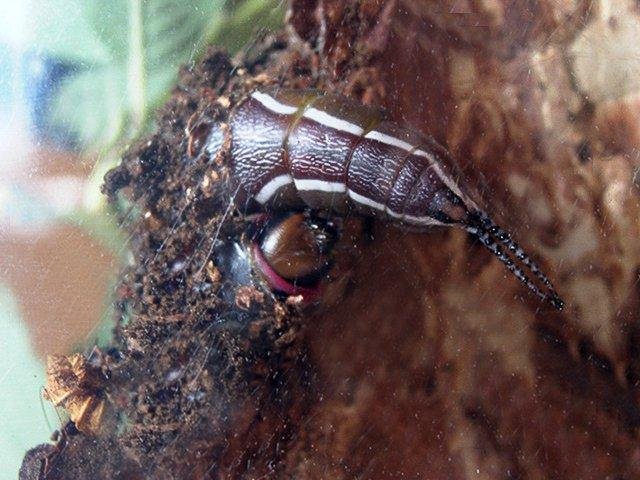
<point x="278" y="283"/>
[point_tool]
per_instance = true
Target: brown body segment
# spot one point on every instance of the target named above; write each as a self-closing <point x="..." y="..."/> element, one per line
<point x="321" y="155"/>
<point x="372" y="173"/>
<point x="332" y="150"/>
<point x="256" y="147"/>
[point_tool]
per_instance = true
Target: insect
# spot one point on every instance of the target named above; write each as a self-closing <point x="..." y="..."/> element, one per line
<point x="290" y="148"/>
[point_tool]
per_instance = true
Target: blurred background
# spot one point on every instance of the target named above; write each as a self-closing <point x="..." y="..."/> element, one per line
<point x="79" y="81"/>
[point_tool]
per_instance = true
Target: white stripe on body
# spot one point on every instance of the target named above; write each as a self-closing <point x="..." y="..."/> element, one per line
<point x="396" y="142"/>
<point x="444" y="177"/>
<point x="389" y="140"/>
<point x="330" y="121"/>
<point x="272" y="104"/>
<point x="314" y="185"/>
<point x="272" y="186"/>
<point x="307" y="184"/>
<point x="311" y="113"/>
<point x="422" y="220"/>
<point x="412" y="219"/>
<point x="362" y="200"/>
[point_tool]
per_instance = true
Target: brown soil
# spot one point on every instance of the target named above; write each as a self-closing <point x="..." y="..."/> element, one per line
<point x="426" y="361"/>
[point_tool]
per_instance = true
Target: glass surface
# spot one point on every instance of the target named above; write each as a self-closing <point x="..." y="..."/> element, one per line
<point x="79" y="80"/>
<point x="426" y="357"/>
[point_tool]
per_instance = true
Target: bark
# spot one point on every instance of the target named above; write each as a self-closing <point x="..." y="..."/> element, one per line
<point x="428" y="360"/>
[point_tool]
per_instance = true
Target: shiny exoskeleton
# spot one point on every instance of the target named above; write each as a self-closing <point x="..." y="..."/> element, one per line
<point x="293" y="147"/>
<point x="293" y="252"/>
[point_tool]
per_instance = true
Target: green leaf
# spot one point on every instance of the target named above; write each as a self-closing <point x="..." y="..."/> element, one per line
<point x="92" y="106"/>
<point x="62" y="30"/>
<point x="131" y="51"/>
<point x="24" y="422"/>
<point x="245" y="21"/>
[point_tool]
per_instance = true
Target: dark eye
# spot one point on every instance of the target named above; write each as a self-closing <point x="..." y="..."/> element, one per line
<point x="293" y="253"/>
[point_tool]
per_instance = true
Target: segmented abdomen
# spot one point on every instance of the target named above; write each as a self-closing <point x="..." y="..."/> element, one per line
<point x="290" y="147"/>
<point x="330" y="152"/>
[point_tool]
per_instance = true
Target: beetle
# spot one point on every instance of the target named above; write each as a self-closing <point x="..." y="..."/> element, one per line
<point x="289" y="148"/>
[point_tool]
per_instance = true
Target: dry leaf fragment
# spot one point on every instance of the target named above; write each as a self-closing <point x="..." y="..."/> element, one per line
<point x="74" y="384"/>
